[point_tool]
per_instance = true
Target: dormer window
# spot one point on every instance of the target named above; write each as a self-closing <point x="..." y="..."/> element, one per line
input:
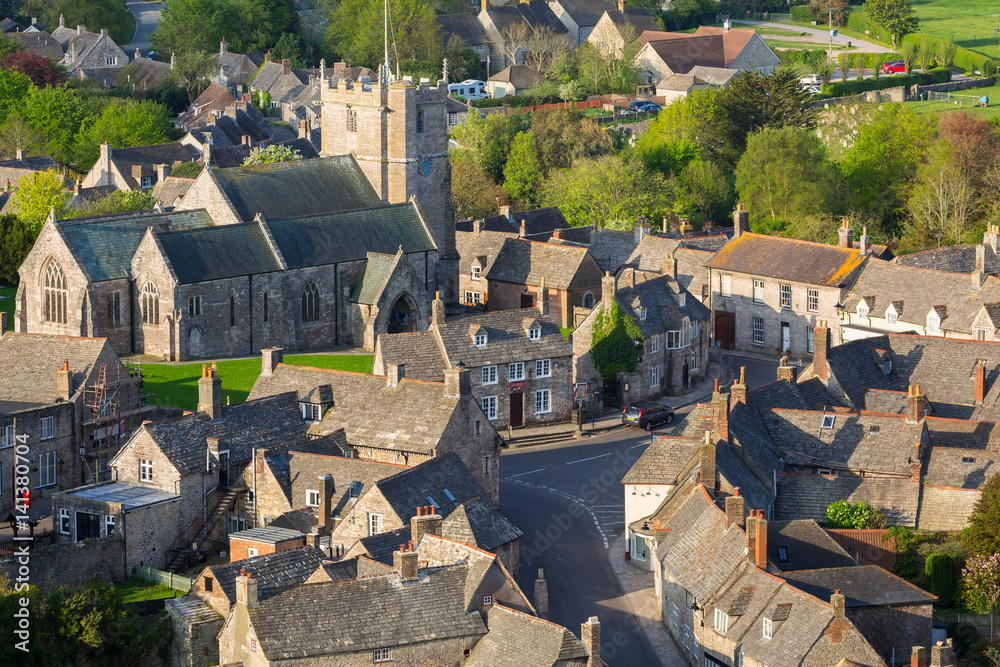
<point x="312" y="412"/>
<point x="534" y="333"/>
<point x="933" y="322"/>
<point x="480" y="340"/>
<point x="478" y="334"/>
<point x="642" y="312"/>
<point x="767" y="629"/>
<point x="476" y="270"/>
<point x="862" y="310"/>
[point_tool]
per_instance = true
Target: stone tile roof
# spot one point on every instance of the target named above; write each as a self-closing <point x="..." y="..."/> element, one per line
<point x="300" y="520"/>
<point x="869" y="546"/>
<point x="282" y="87"/>
<point x="680" y="55"/>
<point x="12" y="171"/>
<point x="478" y="522"/>
<point x="788" y="259"/>
<point x="142" y="74"/>
<point x="744" y="600"/>
<point x="419" y="351"/>
<point x="637" y="17"/>
<point x="352" y="478"/>
<point x="192" y="609"/>
<point x="691" y="271"/>
<point x="536" y="13"/>
<point x="539" y="223"/>
<point x="274" y="572"/>
<point x="805" y="496"/>
<point x="519" y="76"/>
<point x="792" y="638"/>
<point x="213" y="98"/>
<point x="30" y="362"/>
<point x="861" y="586"/>
<point x="962" y="433"/>
<point x="368" y="284"/>
<point x="472" y="247"/>
<point x="216" y="253"/>
<point x="805" y="545"/>
<point x="955" y="259"/>
<point x="663" y="461"/>
<point x="611" y="249"/>
<point x="680" y="82"/>
<point x="105" y="245"/>
<point x="517" y="639"/>
<point x="268" y="422"/>
<point x="586" y="13"/>
<point x="716" y="76"/>
<point x="147" y="157"/>
<point x="734" y="470"/>
<point x="464" y="26"/>
<point x="381" y="546"/>
<point x="961" y="468"/>
<point x="661" y="299"/>
<point x="528" y="262"/>
<point x="415" y="414"/>
<point x="172" y="189"/>
<point x="298" y="188"/>
<point x="380" y="612"/>
<point x="441" y="551"/>
<point x="38" y="42"/>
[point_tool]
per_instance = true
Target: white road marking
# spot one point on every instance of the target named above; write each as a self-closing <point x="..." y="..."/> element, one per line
<point x="571" y="498"/>
<point x="590" y="459"/>
<point x="641" y="444"/>
<point x="523" y="473"/>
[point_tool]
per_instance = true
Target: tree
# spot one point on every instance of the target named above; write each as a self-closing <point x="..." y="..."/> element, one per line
<point x="895" y="16"/>
<point x="475" y="194"/>
<point x="355" y="31"/>
<point x="37" y="195"/>
<point x="41" y="71"/>
<point x="698" y="118"/>
<point x="17" y="134"/>
<point x="463" y="61"/>
<point x="9" y="45"/>
<point x="545" y="47"/>
<point x="981" y="576"/>
<point x="119" y="201"/>
<point x="563" y="136"/>
<point x="489" y="139"/>
<point x="187" y="170"/>
<point x="16" y="239"/>
<point x="192" y="69"/>
<point x="194" y="25"/>
<point x="669" y="157"/>
<point x="271" y="154"/>
<point x="123" y="124"/>
<point x="95" y="14"/>
<point x="785" y="173"/>
<point x="974" y="145"/>
<point x="523" y="172"/>
<point x="942" y="199"/>
<point x="56" y="113"/>
<point x="909" y="53"/>
<point x="948" y="51"/>
<point x="982" y="537"/>
<point x="14" y="87"/>
<point x="707" y="189"/>
<point x="512" y="41"/>
<point x="613" y="73"/>
<point x="821" y="9"/>
<point x="939" y="569"/>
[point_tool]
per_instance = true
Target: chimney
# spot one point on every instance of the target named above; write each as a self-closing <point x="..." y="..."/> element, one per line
<point x="106" y="152"/>
<point x="760" y="527"/>
<point x="394" y="373"/>
<point x="865" y="241"/>
<point x="162" y="172"/>
<point x="137" y="54"/>
<point x="477" y="227"/>
<point x="738" y="393"/>
<point x="590" y="633"/>
<point x="979" y="273"/>
<point x="64" y="381"/>
<point x="991" y="237"/>
<point x="707" y="226"/>
<point x="223" y="47"/>
<point x="80" y="28"/>
<point x="720" y="413"/>
<point x="734" y="508"/>
<point x="543" y="298"/>
<point x="787" y="372"/>
<point x="741" y="220"/>
<point x="943" y="654"/>
<point x="622" y="6"/>
<point x="3" y="323"/>
<point x="104" y="32"/>
<point x="326" y="505"/>
<point x="557" y="234"/>
<point x="206" y="152"/>
<point x="523" y="231"/>
<point x="726" y="26"/>
<point x="270" y="357"/>
<point x="19" y="154"/>
<point x="845" y="235"/>
<point x="437" y="310"/>
<point x="670" y="266"/>
<point x="267" y="56"/>
<point x="666" y="225"/>
<point x="427" y="520"/>
<point x="914" y="405"/>
<point x="457" y="382"/>
<point x="916" y="465"/>
<point x="821" y="351"/>
<point x="838" y="604"/>
<point x="286" y="66"/>
<point x="486" y="5"/>
<point x="751" y="530"/>
<point x="609" y="286"/>
<point x="508" y="212"/>
<point x="308" y="134"/>
<point x="979" y="373"/>
<point x="246" y="589"/>
<point x="706" y="453"/>
<point x="173" y="59"/>
<point x="210" y="392"/>
<point x="542" y="595"/>
<point x="404" y="562"/>
<point x="641" y="230"/>
<point x="62" y="21"/>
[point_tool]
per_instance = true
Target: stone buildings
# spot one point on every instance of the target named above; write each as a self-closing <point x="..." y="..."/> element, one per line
<point x="620" y="26"/>
<point x="513" y="80"/>
<point x="138" y="168"/>
<point x="90" y="55"/>
<point x="520" y="364"/>
<point x="12" y="171"/>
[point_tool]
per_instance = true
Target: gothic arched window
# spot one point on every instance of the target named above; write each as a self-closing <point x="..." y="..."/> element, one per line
<point x="310" y="302"/>
<point x="54" y="294"/>
<point x="150" y="304"/>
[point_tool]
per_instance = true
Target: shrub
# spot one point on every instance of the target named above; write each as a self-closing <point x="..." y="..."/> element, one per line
<point x="843" y="514"/>
<point x="940" y="572"/>
<point x="801" y="14"/>
<point x="845" y="88"/>
<point x="515" y="101"/>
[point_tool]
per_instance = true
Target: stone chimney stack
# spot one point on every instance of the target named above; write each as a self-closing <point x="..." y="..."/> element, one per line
<point x="326" y="505"/>
<point x="590" y="633"/>
<point x="246" y="589"/>
<point x="943" y="654"/>
<point x="404" y="562"/>
<point x="670" y="266"/>
<point x="486" y="5"/>
<point x="979" y="373"/>
<point x="64" y="381"/>
<point x="223" y="47"/>
<point x="734" y="508"/>
<point x="865" y="241"/>
<point x="543" y="297"/>
<point x="666" y="225"/>
<point x="622" y="6"/>
<point x="394" y="373"/>
<point x="437" y="311"/>
<point x="720" y="413"/>
<point x="760" y="545"/>
<point x="641" y="230"/>
<point x="104" y="32"/>
<point x="706" y="474"/>
<point x="751" y="531"/>
<point x="106" y="153"/>
<point x="609" y="286"/>
<point x="786" y="371"/>
<point x="523" y="231"/>
<point x="80" y="28"/>
<point x="741" y="221"/>
<point x="162" y="172"/>
<point x="270" y="357"/>
<point x="918" y="657"/>
<point x="210" y="392"/>
<point x="845" y="235"/>
<point x="991" y="237"/>
<point x="915" y="403"/>
<point x="457" y="382"/>
<point x="738" y="393"/>
<point x="426" y="520"/>
<point x="62" y="21"/>
<point x="821" y="351"/>
<point x="838" y="603"/>
<point x="542" y="595"/>
<point x="286" y="66"/>
<point x="507" y="212"/>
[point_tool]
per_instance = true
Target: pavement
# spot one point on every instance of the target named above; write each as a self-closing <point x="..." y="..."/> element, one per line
<point x="819" y="36"/>
<point x="147" y="18"/>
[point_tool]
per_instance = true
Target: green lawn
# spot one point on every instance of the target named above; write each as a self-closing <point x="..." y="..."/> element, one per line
<point x="964" y="100"/>
<point x="788" y="44"/>
<point x="177" y="385"/>
<point x="965" y="21"/>
<point x="135" y="589"/>
<point x="7" y="304"/>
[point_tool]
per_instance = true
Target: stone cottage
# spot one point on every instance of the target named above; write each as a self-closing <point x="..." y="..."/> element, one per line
<point x="137" y="168"/>
<point x="90" y="55"/>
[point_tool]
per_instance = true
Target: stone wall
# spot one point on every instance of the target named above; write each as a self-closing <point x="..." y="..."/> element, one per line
<point x="559" y="384"/>
<point x="196" y="626"/>
<point x="73" y="564"/>
<point x="205" y="193"/>
<point x="951" y="86"/>
<point x="148" y="534"/>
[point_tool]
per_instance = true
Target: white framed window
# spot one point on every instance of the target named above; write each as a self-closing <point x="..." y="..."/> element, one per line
<point x="487" y="466"/>
<point x="654" y="376"/>
<point x="48" y="428"/>
<point x="46" y="464"/>
<point x="758" y="291"/>
<point x="673" y="616"/>
<point x="251" y="552"/>
<point x="542" y="403"/>
<point x="654" y="343"/>
<point x="473" y="298"/>
<point x="758" y="330"/>
<point x="694" y="330"/>
<point x="64" y="520"/>
<point x="890" y="316"/>
<point x="828" y="421"/>
<point x="480" y="340"/>
<point x="673" y="340"/>
<point x="382" y="655"/>
<point x="721" y="621"/>
<point x="933" y="323"/>
<point x="274" y="105"/>
<point x="767" y="628"/>
<point x="489" y="374"/>
<point x="786" y="296"/>
<point x="111" y="61"/>
<point x="312" y="498"/>
<point x="695" y="358"/>
<point x="982" y="334"/>
<point x="145" y="470"/>
<point x="726" y="285"/>
<point x="374" y="524"/>
<point x="515" y="371"/>
<point x="862" y="310"/>
<point x="642" y="312"/>
<point x="487" y="600"/>
<point x="543" y="368"/>
<point x="490" y="407"/>
<point x="476" y="271"/>
<point x="534" y="333"/>
<point x="812" y="301"/>
<point x="7" y="435"/>
<point x="253" y="644"/>
<point x="146" y="182"/>
<point x="109" y="525"/>
<point x="311" y="412"/>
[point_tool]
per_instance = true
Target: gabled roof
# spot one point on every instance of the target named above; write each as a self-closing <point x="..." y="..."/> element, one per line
<point x="215" y="253"/>
<point x="734" y="40"/>
<point x="954" y="259"/>
<point x="441" y="551"/>
<point x="661" y="299"/>
<point x="716" y="76"/>
<point x="806" y="496"/>
<point x="143" y="74"/>
<point x="788" y="259"/>
<point x="519" y="76"/>
<point x="585" y="13"/>
<point x="612" y="248"/>
<point x="367" y="286"/>
<point x="38" y="42"/>
<point x="528" y="262"/>
<point x="273" y="572"/>
<point x="480" y="523"/>
<point x="636" y="17"/>
<point x="517" y="639"/>
<point x="281" y="86"/>
<point x="680" y="82"/>
<point x="803" y="546"/>
<point x="662" y="462"/>
<point x="30" y="362"/>
<point x="536" y="13"/>
<point x="861" y="586"/>
<point x="464" y="26"/>
<point x="171" y="189"/>
<point x="680" y="55"/>
<point x="471" y="247"/>
<point x="148" y="157"/>
<point x="12" y="171"/>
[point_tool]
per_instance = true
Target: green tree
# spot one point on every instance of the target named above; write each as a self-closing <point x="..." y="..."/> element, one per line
<point x="16" y="239"/>
<point x="475" y="194"/>
<point x="95" y="14"/>
<point x="784" y="172"/>
<point x="522" y="174"/>
<point x="119" y="201"/>
<point x="355" y="31"/>
<point x="192" y="69"/>
<point x="563" y="136"/>
<point x="489" y="139"/>
<point x="123" y="124"/>
<point x="982" y="537"/>
<point x="698" y="118"/>
<point x="271" y="154"/>
<point x="706" y="188"/>
<point x="940" y="571"/>
<point x="194" y="25"/>
<point x="37" y="195"/>
<point x="187" y="170"/>
<point x="16" y="134"/>
<point x="909" y="52"/>
<point x="9" y="45"/>
<point x="668" y="157"/>
<point x="948" y="51"/>
<point x="943" y="198"/>
<point x="895" y="16"/>
<point x="56" y="113"/>
<point x="14" y="87"/>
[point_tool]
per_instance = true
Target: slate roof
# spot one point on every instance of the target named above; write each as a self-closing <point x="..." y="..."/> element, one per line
<point x="806" y="496"/>
<point x="12" y="171"/>
<point x="519" y="76"/>
<point x="517" y="639"/>
<point x="148" y="157"/>
<point x="692" y="275"/>
<point x="282" y="87"/>
<point x="663" y="461"/>
<point x="637" y="17"/>
<point x="382" y="612"/>
<point x="346" y="472"/>
<point x="38" y="42"/>
<point x="298" y="188"/>
<point x="539" y="223"/>
<point x="680" y="55"/>
<point x="381" y="546"/>
<point x="479" y="523"/>
<point x="30" y="362"/>
<point x="680" y="82"/>
<point x="586" y="13"/>
<point x="268" y="422"/>
<point x="792" y="638"/>
<point x="805" y="545"/>
<point x="961" y="468"/>
<point x="611" y="248"/>
<point x="273" y="572"/>
<point x="471" y="247"/>
<point x="962" y="433"/>
<point x="954" y="259"/>
<point x="349" y="235"/>
<point x="215" y="253"/>
<point x="659" y="297"/>
<point x="536" y="13"/>
<point x="419" y="351"/>
<point x="266" y="535"/>
<point x="300" y="520"/>
<point x="367" y="286"/>
<point x="143" y="74"/>
<point x="716" y="76"/>
<point x="527" y="262"/>
<point x="171" y="189"/>
<point x="105" y="245"/>
<point x="464" y="26"/>
<point x="861" y="586"/>
<point x="788" y="259"/>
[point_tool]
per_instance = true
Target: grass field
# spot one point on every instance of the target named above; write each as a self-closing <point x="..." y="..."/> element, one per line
<point x="964" y="100"/>
<point x="966" y="21"/>
<point x="135" y="589"/>
<point x="177" y="385"/>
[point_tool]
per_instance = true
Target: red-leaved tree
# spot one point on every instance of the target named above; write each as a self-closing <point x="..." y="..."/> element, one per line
<point x="42" y="71"/>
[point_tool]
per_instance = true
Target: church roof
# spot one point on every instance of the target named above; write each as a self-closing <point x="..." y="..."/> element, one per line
<point x="368" y="285"/>
<point x="214" y="253"/>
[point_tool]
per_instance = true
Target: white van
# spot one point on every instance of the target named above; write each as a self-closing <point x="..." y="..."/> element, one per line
<point x="470" y="89"/>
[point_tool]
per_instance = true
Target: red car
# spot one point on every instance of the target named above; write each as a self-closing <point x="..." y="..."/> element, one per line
<point x="894" y="67"/>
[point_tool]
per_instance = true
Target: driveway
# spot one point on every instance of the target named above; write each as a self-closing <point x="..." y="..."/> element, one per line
<point x="819" y="36"/>
<point x="147" y="17"/>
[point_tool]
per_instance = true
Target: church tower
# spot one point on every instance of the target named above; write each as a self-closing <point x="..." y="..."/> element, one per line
<point x="399" y="135"/>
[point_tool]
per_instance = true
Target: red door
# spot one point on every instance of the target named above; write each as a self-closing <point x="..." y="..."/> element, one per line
<point x="725" y="330"/>
<point x="517" y="409"/>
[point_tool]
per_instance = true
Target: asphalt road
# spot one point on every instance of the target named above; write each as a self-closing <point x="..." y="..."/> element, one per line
<point x="758" y="371"/>
<point x="147" y="17"/>
<point x="568" y="500"/>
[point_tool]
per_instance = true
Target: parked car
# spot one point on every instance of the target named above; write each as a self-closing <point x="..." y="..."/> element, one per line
<point x="894" y="67"/>
<point x="649" y="107"/>
<point x="815" y="90"/>
<point x="647" y="415"/>
<point x="638" y="104"/>
<point x="810" y="80"/>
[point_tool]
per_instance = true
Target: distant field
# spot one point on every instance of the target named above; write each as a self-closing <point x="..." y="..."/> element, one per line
<point x="966" y="21"/>
<point x="963" y="100"/>
<point x="177" y="385"/>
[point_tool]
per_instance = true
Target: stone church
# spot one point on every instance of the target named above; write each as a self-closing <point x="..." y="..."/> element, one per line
<point x="301" y="255"/>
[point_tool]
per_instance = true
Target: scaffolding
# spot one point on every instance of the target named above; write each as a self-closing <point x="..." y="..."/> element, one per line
<point x="113" y="407"/>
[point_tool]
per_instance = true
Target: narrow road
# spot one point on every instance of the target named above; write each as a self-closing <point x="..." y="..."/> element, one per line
<point x="147" y="17"/>
<point x="819" y="36"/>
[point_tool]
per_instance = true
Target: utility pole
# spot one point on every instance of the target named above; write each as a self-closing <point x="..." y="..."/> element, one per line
<point x="830" y="31"/>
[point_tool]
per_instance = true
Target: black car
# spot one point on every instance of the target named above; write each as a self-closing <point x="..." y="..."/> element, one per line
<point x="647" y="415"/>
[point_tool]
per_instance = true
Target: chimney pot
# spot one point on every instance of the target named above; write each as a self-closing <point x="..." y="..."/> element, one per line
<point x="734" y="508"/>
<point x="845" y="235"/>
<point x="210" y="392"/>
<point x="457" y="382"/>
<point x="979" y="382"/>
<point x="741" y="221"/>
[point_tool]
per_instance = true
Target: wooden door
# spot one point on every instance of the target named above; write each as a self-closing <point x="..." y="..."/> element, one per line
<point x="725" y="330"/>
<point x="517" y="409"/>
